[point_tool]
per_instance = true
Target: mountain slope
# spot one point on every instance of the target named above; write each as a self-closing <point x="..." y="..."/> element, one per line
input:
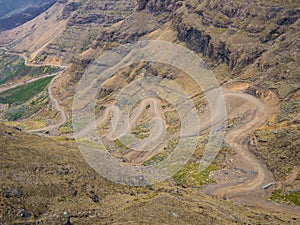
<point x="253" y="50"/>
<point x="15" y="13"/>
<point x="65" y="30"/>
<point x="29" y="196"/>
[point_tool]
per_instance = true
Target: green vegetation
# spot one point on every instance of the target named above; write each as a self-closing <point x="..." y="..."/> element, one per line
<point x="21" y="94"/>
<point x="142" y="131"/>
<point x="189" y="175"/>
<point x="29" y="124"/>
<point x="66" y="128"/>
<point x="120" y="146"/>
<point x="90" y="144"/>
<point x="292" y="197"/>
<point x="172" y="119"/>
<point x="28" y="108"/>
<point x="163" y="155"/>
<point x="12" y="67"/>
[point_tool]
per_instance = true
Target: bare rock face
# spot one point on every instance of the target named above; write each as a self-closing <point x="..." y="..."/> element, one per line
<point x="157" y="6"/>
<point x="201" y="42"/>
<point x="141" y="4"/>
<point x="69" y="8"/>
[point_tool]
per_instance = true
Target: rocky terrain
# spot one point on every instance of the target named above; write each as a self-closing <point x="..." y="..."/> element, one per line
<point x="252" y="49"/>
<point x="263" y="59"/>
<point x="58" y="187"/>
<point x="75" y="25"/>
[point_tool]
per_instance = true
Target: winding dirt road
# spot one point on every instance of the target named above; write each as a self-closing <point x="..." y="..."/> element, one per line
<point x="238" y="139"/>
<point x="53" y="100"/>
<point x="249" y="192"/>
<point x="58" y="108"/>
<point x="254" y="113"/>
<point x="27" y="63"/>
<point x="237" y="102"/>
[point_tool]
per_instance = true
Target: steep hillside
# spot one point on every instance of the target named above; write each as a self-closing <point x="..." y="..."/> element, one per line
<point x="66" y="29"/>
<point x="8" y="7"/>
<point x="261" y="59"/>
<point x="16" y="13"/>
<point x="252" y="48"/>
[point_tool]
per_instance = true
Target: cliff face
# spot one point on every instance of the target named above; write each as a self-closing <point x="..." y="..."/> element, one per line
<point x="256" y="40"/>
<point x="240" y="34"/>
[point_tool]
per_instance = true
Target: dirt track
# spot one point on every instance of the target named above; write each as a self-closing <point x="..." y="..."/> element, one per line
<point x="251" y="191"/>
<point x="238" y="104"/>
<point x="58" y="108"/>
<point x="237" y="138"/>
<point x="27" y="63"/>
<point x="53" y="100"/>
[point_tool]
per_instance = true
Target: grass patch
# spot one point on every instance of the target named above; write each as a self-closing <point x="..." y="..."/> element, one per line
<point x="12" y="67"/>
<point x="90" y="144"/>
<point x="189" y="175"/>
<point x="66" y="128"/>
<point x="29" y="124"/>
<point x="121" y="148"/>
<point x="21" y="94"/>
<point x="142" y="131"/>
<point x="292" y="197"/>
<point x="163" y="155"/>
<point x="28" y="108"/>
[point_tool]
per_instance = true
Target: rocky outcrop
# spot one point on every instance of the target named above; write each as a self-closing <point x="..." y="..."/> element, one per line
<point x="201" y="42"/>
<point x="164" y="8"/>
<point x="141" y="4"/>
<point x="132" y="28"/>
<point x="69" y="8"/>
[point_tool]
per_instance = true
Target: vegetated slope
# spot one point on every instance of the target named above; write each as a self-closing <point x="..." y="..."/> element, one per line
<point x="14" y="70"/>
<point x="16" y="13"/>
<point x="42" y="178"/>
<point x="23" y="93"/>
<point x="26" y="99"/>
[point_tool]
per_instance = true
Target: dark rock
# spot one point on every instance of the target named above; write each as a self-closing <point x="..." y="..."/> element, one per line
<point x="13" y="193"/>
<point x="289" y="18"/>
<point x="141" y="4"/>
<point x="94" y="197"/>
<point x="69" y="8"/>
<point x="74" y="193"/>
<point x="24" y="213"/>
<point x="200" y="42"/>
